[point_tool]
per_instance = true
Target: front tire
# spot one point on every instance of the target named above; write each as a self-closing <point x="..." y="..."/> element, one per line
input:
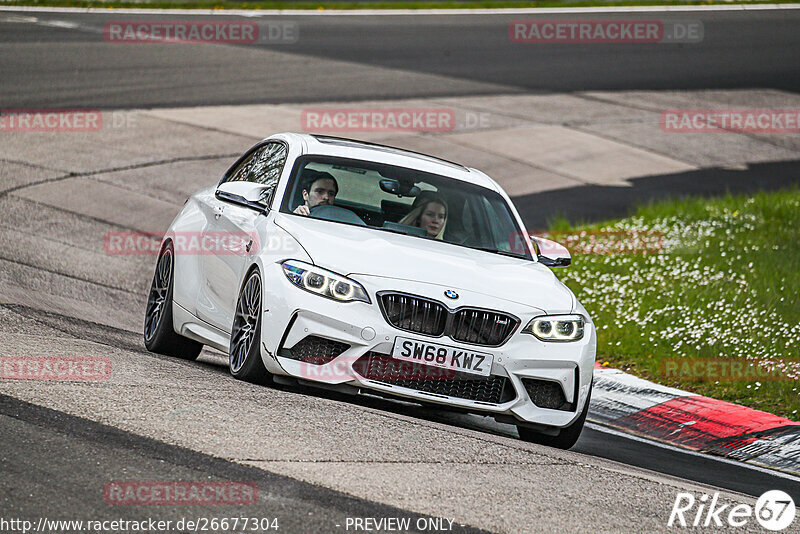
<point x="244" y="356"/>
<point x="567" y="436"/>
<point x="159" y="333"/>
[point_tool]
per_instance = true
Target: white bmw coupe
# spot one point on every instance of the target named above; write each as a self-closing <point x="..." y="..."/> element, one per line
<point x="366" y="268"/>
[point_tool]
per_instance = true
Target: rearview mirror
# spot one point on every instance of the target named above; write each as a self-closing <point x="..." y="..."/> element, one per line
<point x="401" y="189"/>
<point x="550" y="253"/>
<point x="249" y="194"/>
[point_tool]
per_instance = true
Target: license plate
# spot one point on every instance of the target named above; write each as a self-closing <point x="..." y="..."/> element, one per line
<point x="422" y="352"/>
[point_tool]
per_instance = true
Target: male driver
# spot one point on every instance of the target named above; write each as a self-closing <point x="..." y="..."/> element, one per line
<point x="319" y="188"/>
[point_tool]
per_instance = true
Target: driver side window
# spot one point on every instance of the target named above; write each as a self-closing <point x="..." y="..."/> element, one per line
<point x="264" y="166"/>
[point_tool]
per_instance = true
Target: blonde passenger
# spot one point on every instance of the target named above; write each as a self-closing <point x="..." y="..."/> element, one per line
<point x="429" y="212"/>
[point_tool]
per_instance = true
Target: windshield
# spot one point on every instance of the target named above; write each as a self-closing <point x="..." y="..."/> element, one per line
<point x="402" y="200"/>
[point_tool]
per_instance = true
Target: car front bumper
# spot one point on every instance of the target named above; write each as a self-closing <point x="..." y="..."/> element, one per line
<point x="291" y="315"/>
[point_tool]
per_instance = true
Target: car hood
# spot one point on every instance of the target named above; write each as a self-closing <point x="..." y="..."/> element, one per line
<point x="353" y="250"/>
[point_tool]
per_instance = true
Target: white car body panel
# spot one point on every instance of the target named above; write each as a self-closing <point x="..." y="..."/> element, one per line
<point x="206" y="287"/>
<point x="447" y="265"/>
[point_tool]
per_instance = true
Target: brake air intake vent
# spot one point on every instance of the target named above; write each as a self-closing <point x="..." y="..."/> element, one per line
<point x="547" y="394"/>
<point x="314" y="350"/>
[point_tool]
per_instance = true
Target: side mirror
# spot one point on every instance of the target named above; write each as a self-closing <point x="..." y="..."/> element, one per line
<point x="550" y="253"/>
<point x="248" y="194"/>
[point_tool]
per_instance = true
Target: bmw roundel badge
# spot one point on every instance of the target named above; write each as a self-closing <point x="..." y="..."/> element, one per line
<point x="451" y="294"/>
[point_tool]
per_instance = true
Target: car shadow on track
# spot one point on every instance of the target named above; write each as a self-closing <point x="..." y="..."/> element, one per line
<point x="216" y="361"/>
<point x="594" y="441"/>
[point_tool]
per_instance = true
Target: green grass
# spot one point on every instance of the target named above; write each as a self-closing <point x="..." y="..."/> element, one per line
<point x="364" y="4"/>
<point x="726" y="285"/>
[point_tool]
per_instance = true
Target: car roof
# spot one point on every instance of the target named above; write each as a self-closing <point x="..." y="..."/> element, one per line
<point x="356" y="149"/>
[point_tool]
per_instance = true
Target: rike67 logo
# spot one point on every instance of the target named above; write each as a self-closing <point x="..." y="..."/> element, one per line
<point x="774" y="511"/>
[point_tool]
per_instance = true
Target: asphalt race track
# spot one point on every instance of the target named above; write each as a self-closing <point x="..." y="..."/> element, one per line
<point x="61" y="60"/>
<point x="318" y="458"/>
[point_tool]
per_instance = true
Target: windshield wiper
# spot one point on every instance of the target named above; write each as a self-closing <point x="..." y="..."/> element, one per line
<point x="501" y="252"/>
<point x="405" y="230"/>
<point x="392" y="230"/>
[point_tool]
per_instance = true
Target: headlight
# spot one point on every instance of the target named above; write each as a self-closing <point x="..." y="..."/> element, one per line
<point x="323" y="282"/>
<point x="556" y="327"/>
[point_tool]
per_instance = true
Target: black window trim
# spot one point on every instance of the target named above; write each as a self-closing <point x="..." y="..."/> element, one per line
<point x="226" y="177"/>
<point x="334" y="140"/>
